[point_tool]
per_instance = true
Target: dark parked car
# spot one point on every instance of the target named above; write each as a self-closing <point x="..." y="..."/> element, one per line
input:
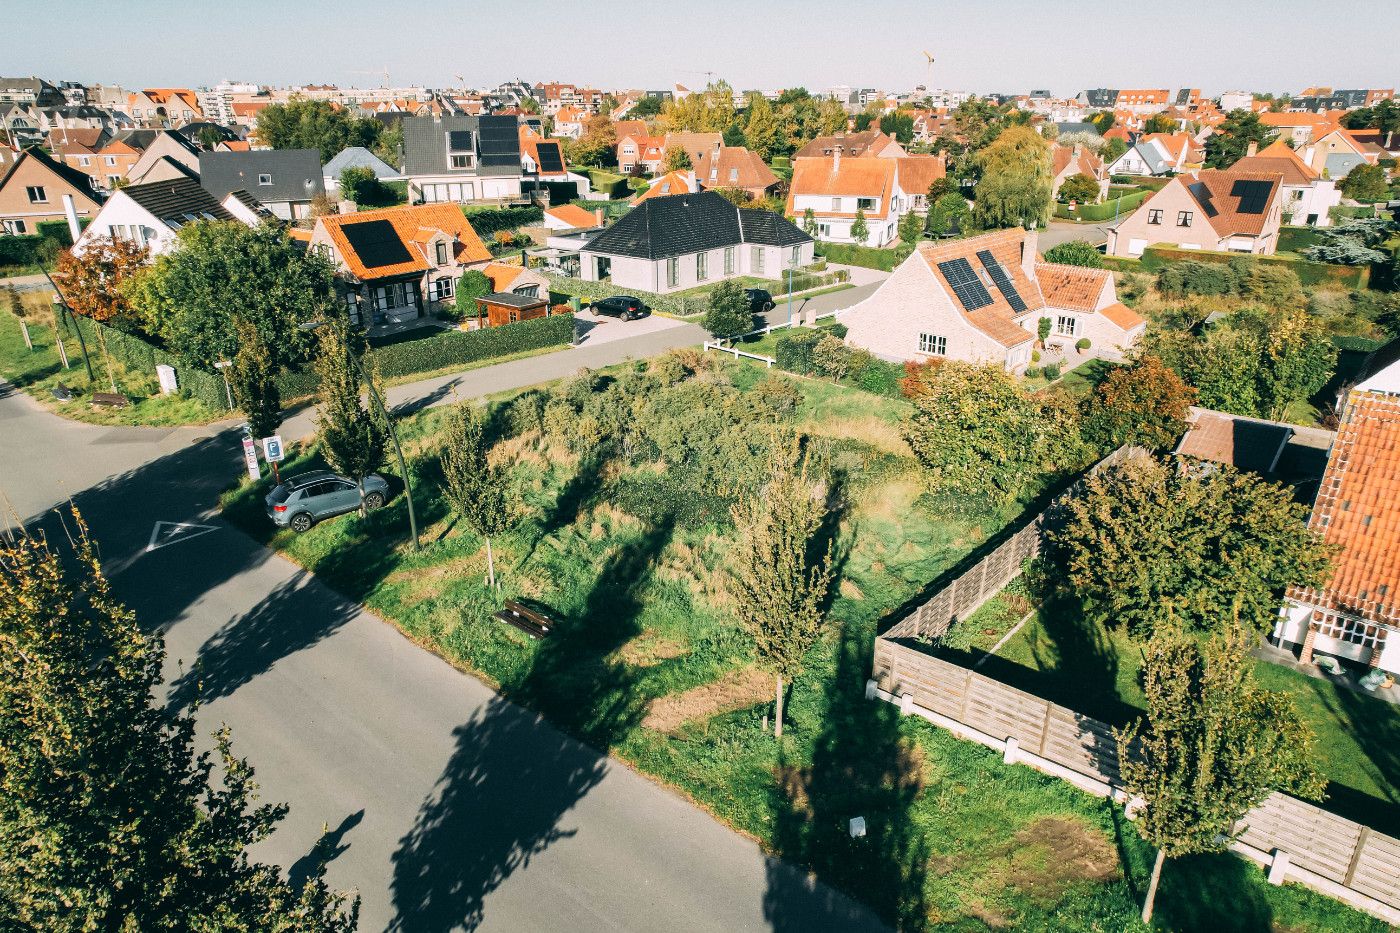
<point x="759" y="299"/>
<point x="304" y="500"/>
<point x="623" y="306"/>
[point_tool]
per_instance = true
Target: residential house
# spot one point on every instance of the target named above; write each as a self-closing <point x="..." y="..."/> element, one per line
<point x="1308" y="198"/>
<point x="630" y="128"/>
<point x="1224" y="211"/>
<point x="542" y="160"/>
<point x="1355" y="615"/>
<point x="152" y="214"/>
<point x="162" y="146"/>
<point x="461" y="159"/>
<point x="866" y="143"/>
<point x="164" y="106"/>
<point x="400" y="263"/>
<point x="1184" y="152"/>
<point x="516" y="280"/>
<point x="636" y="149"/>
<point x="1142" y="101"/>
<point x="33" y="189"/>
<point x="1145" y="157"/>
<point x="838" y="188"/>
<point x="285" y="181"/>
<point x="79" y="149"/>
<point x="1068" y="161"/>
<point x="736" y="167"/>
<point x="1339" y="151"/>
<point x="694" y="145"/>
<point x="569" y="122"/>
<point x="232" y="145"/>
<point x="119" y="156"/>
<point x="572" y="217"/>
<point x="668" y="244"/>
<point x="355" y="157"/>
<point x="678" y="182"/>
<point x="32" y="91"/>
<point x="980" y="300"/>
<point x="916" y="174"/>
<point x="1302" y="128"/>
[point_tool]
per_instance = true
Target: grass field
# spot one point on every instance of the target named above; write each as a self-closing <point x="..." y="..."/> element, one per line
<point x="647" y="662"/>
<point x="39" y="370"/>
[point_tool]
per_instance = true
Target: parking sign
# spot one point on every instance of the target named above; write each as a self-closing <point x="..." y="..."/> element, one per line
<point x="272" y="448"/>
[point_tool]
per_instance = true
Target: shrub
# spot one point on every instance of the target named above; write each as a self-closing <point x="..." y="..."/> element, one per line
<point x="1075" y="253"/>
<point x="839" y="330"/>
<point x="1051" y="371"/>
<point x="868" y="257"/>
<point x="794" y="350"/>
<point x="881" y="377"/>
<point x="1035" y="356"/>
<point x="1032" y="372"/>
<point x="1082" y="344"/>
<point x="775" y="395"/>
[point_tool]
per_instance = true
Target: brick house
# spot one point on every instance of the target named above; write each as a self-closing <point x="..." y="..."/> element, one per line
<point x="736" y="167"/>
<point x="1221" y="211"/>
<point x="32" y="190"/>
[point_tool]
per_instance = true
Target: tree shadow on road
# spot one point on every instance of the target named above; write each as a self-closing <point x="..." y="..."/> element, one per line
<point x="327" y="849"/>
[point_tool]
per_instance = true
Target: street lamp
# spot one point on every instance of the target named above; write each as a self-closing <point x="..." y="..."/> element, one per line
<point x="222" y="366"/>
<point x="393" y="435"/>
<point x="792" y="265"/>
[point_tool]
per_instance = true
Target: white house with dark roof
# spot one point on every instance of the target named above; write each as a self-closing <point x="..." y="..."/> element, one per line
<point x="980" y="300"/>
<point x="152" y="214"/>
<point x="668" y="244"/>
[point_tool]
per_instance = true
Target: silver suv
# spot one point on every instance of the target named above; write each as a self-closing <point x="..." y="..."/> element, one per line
<point x="304" y="500"/>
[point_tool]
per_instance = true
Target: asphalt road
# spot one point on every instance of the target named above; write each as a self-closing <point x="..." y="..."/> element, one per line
<point x="450" y="807"/>
<point x="1061" y="232"/>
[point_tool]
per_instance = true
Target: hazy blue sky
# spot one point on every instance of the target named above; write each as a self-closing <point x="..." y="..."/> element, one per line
<point x="982" y="45"/>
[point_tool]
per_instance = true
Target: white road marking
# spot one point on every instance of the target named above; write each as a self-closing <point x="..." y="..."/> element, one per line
<point x="175" y="532"/>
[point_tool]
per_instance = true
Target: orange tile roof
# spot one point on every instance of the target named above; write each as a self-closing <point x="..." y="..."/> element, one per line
<point x="1121" y="316"/>
<point x="236" y="145"/>
<point x="734" y="167"/>
<point x="414" y="226"/>
<point x="1181" y="146"/>
<point x="1073" y="288"/>
<point x="1358" y="509"/>
<point x="1279" y="157"/>
<point x="1088" y="164"/>
<point x="299" y="233"/>
<point x="680" y="182"/>
<point x="1228" y="221"/>
<point x="530" y="145"/>
<point x="630" y="128"/>
<point x="996" y="320"/>
<point x="1243" y="443"/>
<point x="861" y="176"/>
<point x="570" y="115"/>
<point x="1327" y="120"/>
<point x="501" y="275"/>
<point x="573" y="215"/>
<point x="918" y="172"/>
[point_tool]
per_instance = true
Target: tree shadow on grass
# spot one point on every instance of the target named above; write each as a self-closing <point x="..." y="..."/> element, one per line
<point x="860" y="766"/>
<point x="511" y="780"/>
<point x="1218" y="892"/>
<point x="1375" y="726"/>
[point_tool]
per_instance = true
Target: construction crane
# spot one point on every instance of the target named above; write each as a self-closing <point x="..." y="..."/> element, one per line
<point x="384" y="72"/>
<point x="928" y="75"/>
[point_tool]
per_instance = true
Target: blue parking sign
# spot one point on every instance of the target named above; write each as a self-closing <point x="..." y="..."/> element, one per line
<point x="272" y="448"/>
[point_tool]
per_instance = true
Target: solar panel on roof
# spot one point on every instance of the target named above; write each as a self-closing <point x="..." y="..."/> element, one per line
<point x="376" y="243"/>
<point x="459" y="140"/>
<point x="550" y="159"/>
<point x="500" y="141"/>
<point x="1001" y="280"/>
<point x="965" y="284"/>
<point x="1253" y="195"/>
<point x="1202" y="195"/>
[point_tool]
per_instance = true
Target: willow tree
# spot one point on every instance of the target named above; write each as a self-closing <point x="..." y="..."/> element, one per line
<point x="1017" y="181"/>
<point x="780" y="573"/>
<point x="109" y="819"/>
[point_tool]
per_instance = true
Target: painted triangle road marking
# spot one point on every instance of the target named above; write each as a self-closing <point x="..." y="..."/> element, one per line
<point x="175" y="532"/>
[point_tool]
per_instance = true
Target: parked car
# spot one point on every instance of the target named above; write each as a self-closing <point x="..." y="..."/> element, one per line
<point x="760" y="300"/>
<point x="624" y="306"/>
<point x="306" y="499"/>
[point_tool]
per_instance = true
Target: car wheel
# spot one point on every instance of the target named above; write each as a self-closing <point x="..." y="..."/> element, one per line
<point x="374" y="500"/>
<point x="301" y="523"/>
<point x="627" y="315"/>
<point x="768" y="306"/>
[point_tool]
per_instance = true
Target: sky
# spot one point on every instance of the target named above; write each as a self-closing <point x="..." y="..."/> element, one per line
<point x="1012" y="46"/>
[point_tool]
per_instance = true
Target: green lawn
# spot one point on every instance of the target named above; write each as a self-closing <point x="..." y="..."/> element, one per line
<point x="1079" y="381"/>
<point x="647" y="661"/>
<point x="39" y="370"/>
<point x="1078" y="664"/>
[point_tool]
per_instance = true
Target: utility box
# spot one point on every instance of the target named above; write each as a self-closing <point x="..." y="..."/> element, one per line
<point x="169" y="385"/>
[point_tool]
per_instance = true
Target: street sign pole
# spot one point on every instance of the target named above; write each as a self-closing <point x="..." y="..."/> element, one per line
<point x="273" y="453"/>
<point x="250" y="459"/>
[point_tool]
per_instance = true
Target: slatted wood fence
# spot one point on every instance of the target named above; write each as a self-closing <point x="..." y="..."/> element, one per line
<point x="1299" y="841"/>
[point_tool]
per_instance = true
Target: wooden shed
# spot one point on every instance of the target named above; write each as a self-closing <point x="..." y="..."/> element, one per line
<point x="499" y="308"/>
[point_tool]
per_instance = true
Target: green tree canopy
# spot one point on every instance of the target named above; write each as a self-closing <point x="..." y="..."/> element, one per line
<point x="1075" y="253"/>
<point x="1016" y="181"/>
<point x="1366" y="182"/>
<point x="220" y="271"/>
<point x="109" y="819"/>
<point x="474" y="485"/>
<point x="948" y="215"/>
<point x="900" y="125"/>
<point x="1079" y="188"/>
<point x="1159" y="123"/>
<point x="762" y="131"/>
<point x="676" y="159"/>
<point x="352" y="439"/>
<point x="911" y="228"/>
<point x="860" y="229"/>
<point x="728" y="314"/>
<point x="1146" y="544"/>
<point x="315" y="124"/>
<point x="1231" y="139"/>
<point x="253" y="380"/>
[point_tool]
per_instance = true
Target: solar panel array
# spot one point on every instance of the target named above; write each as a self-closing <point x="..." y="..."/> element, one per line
<point x="500" y="141"/>
<point x="1001" y="280"/>
<point x="459" y="140"/>
<point x="376" y="243"/>
<point x="1202" y="194"/>
<point x="966" y="285"/>
<point x="550" y="159"/>
<point x="1253" y="195"/>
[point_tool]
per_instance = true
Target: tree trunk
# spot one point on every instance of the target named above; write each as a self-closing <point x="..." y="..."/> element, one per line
<point x="361" y="483"/>
<point x="490" y="564"/>
<point x="778" y="711"/>
<point x="1152" y="887"/>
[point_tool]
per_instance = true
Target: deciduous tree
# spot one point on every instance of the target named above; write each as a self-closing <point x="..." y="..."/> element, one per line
<point x="94" y="284"/>
<point x="860" y="230"/>
<point x="1016" y="181"/>
<point x="949" y="215"/>
<point x="352" y="438"/>
<point x="1231" y="139"/>
<point x="1145" y="404"/>
<point x="1212" y="746"/>
<point x="676" y="159"/>
<point x="761" y="128"/>
<point x="253" y="379"/>
<point x="109" y="818"/>
<point x="1079" y="188"/>
<point x="911" y="228"/>
<point x="1075" y="253"/>
<point x="475" y="486"/>
<point x="729" y="314"/>
<point x="1365" y="183"/>
<point x="315" y="124"/>
<point x="780" y="569"/>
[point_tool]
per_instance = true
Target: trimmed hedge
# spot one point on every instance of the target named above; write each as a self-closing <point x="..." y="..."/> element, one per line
<point x="567" y="287"/>
<point x="24" y="250"/>
<point x="849" y="254"/>
<point x="488" y="220"/>
<point x="136" y="354"/>
<point x="1355" y="343"/>
<point x="1154" y="182"/>
<point x="1309" y="273"/>
<point x="1106" y="210"/>
<point x="450" y="348"/>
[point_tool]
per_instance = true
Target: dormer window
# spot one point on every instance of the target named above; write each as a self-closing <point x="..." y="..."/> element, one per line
<point x="461" y="149"/>
<point x="441" y="252"/>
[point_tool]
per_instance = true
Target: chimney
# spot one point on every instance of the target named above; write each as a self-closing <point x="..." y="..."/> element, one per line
<point x="74" y="228"/>
<point x="836" y="159"/>
<point x="1030" y="242"/>
<point x="1253" y="148"/>
<point x="598" y="215"/>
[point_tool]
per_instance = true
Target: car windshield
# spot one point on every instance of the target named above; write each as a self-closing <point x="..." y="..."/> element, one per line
<point x="280" y="494"/>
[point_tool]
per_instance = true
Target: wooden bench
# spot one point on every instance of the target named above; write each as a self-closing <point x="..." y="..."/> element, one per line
<point x="526" y="619"/>
<point x="110" y="400"/>
<point x="62" y="392"/>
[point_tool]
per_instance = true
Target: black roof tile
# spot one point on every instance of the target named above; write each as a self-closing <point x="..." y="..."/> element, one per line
<point x="659" y="228"/>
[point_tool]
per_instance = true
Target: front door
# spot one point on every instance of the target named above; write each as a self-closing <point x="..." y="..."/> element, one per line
<point x="603" y="268"/>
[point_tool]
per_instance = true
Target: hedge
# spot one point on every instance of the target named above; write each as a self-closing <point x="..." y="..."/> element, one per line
<point x="1296" y="239"/>
<point x="1153" y="182"/>
<point x="488" y="220"/>
<point x="136" y="354"/>
<point x="1309" y="273"/>
<point x="450" y="348"/>
<point x="567" y="287"/>
<point x="1355" y="343"/>
<point x="848" y="254"/>
<point x="614" y="186"/>
<point x="24" y="250"/>
<point x="1107" y="210"/>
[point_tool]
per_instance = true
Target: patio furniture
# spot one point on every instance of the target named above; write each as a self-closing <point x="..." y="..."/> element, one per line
<point x="1328" y="664"/>
<point x="1376" y="679"/>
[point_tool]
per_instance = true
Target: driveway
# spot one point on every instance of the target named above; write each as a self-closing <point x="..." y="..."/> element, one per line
<point x="594" y="329"/>
<point x="448" y="806"/>
<point x="1061" y="232"/>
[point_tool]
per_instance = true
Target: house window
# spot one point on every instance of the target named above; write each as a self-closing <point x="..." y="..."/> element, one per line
<point x="1066" y="325"/>
<point x="865" y="204"/>
<point x="1183" y="218"/>
<point x="933" y="344"/>
<point x="733" y="174"/>
<point x="84" y="161"/>
<point x="461" y="161"/>
<point x="15" y="227"/>
<point x="702" y="266"/>
<point x="37" y="194"/>
<point x="112" y="180"/>
<point x="264" y="179"/>
<point x="729" y="260"/>
<point x="1349" y="629"/>
<point x="1154" y="216"/>
<point x="758" y="256"/>
<point x="673" y="273"/>
<point x="796" y="256"/>
<point x="109" y="160"/>
<point x="836" y="205"/>
<point x="441" y="253"/>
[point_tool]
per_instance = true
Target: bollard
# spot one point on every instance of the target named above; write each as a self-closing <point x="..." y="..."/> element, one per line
<point x="906" y="704"/>
<point x="871" y="686"/>
<point x="1009" y="754"/>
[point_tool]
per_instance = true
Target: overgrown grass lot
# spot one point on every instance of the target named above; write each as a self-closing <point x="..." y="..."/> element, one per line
<point x="40" y="370"/>
<point x="625" y="480"/>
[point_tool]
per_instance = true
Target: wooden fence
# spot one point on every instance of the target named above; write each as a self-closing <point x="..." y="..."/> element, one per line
<point x="1296" y="840"/>
<point x="961" y="596"/>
